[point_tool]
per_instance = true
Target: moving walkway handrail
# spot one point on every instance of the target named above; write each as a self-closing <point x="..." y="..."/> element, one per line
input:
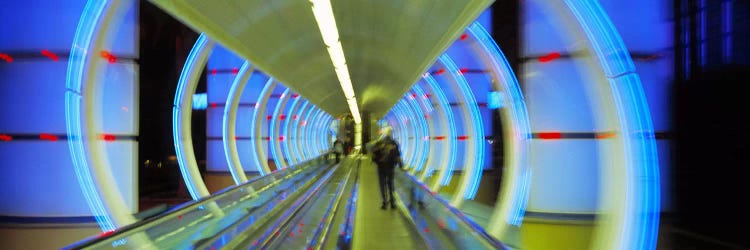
<point x="272" y="233"/>
<point x="348" y="227"/>
<point x="319" y="237"/>
<point x="458" y="214"/>
<point x="183" y="207"/>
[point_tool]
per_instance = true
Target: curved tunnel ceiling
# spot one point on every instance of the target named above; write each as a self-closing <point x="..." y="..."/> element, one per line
<point x="388" y="44"/>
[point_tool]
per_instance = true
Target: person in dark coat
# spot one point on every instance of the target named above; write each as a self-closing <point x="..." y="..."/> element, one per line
<point x="386" y="155"/>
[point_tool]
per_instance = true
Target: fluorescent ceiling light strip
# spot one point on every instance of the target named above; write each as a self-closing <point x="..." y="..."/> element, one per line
<point x="323" y="13"/>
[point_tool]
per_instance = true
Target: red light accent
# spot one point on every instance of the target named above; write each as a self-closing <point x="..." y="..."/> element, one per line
<point x="291" y="234"/>
<point x="440" y="71"/>
<point x="214" y="71"/>
<point x="427" y="96"/>
<point x="414" y="95"/>
<point x="269" y="117"/>
<point x="51" y="55"/>
<point x="266" y="138"/>
<point x="106" y="233"/>
<point x="301" y="224"/>
<point x="295" y="95"/>
<point x="6" y="57"/>
<point x="427" y="116"/>
<point x="482" y="104"/>
<point x="282" y="117"/>
<point x="549" y="57"/>
<point x="48" y="137"/>
<point x="606" y="135"/>
<point x="4" y="137"/>
<point x="108" y="137"/>
<point x="462" y="137"/>
<point x="110" y="58"/>
<point x="426" y="230"/>
<point x="179" y="217"/>
<point x="441" y="224"/>
<point x="550" y="135"/>
<point x="464" y="36"/>
<point x="213" y="104"/>
<point x="294" y="117"/>
<point x="281" y="138"/>
<point x="463" y="70"/>
<point x="235" y="71"/>
<point x="440" y="137"/>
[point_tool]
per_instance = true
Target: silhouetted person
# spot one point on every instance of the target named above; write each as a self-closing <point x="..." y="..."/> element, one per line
<point x="338" y="149"/>
<point x="386" y="156"/>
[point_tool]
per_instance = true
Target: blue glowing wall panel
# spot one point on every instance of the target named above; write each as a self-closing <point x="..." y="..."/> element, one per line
<point x="32" y="94"/>
<point x="649" y="38"/>
<point x="36" y="102"/>
<point x="557" y="98"/>
<point x="222" y="58"/>
<point x="656" y="76"/>
<point x="644" y="25"/>
<point x="37" y="177"/>
<point x="541" y="33"/>
<point x="219" y="160"/>
<point x="221" y="65"/>
<point x="553" y="89"/>
<point x="565" y="176"/>
<point x="45" y="24"/>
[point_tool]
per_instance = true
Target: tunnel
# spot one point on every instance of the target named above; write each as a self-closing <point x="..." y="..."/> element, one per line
<point x="519" y="124"/>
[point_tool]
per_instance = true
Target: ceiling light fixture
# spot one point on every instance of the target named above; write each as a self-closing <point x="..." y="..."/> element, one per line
<point x="323" y="13"/>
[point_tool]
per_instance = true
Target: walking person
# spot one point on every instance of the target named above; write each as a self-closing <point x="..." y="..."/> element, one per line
<point x="338" y="149"/>
<point x="386" y="155"/>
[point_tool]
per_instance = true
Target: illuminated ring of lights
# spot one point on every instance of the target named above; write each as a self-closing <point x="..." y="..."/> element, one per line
<point x="302" y="132"/>
<point x="306" y="132"/>
<point x="261" y="161"/>
<point x="425" y="133"/>
<point x="324" y="125"/>
<point x="229" y="138"/>
<point x="403" y="129"/>
<point x="422" y="148"/>
<point x="323" y="133"/>
<point x="473" y="166"/>
<point x="287" y="131"/>
<point x="634" y="223"/>
<point x="181" y="116"/>
<point x="447" y="122"/>
<point x="427" y="154"/>
<point x="408" y="113"/>
<point x="82" y="116"/>
<point x="314" y="135"/>
<point x="296" y="129"/>
<point x="412" y="133"/>
<point x="515" y="190"/>
<point x="273" y="135"/>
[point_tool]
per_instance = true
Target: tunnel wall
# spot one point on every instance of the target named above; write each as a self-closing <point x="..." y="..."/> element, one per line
<point x="43" y="205"/>
<point x="563" y="110"/>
